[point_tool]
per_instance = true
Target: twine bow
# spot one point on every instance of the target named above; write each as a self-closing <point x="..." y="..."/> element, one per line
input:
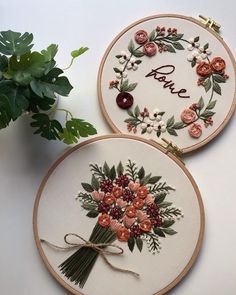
<point x="100" y="248"/>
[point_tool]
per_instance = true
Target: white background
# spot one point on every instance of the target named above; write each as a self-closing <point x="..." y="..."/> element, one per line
<point x="24" y="158"/>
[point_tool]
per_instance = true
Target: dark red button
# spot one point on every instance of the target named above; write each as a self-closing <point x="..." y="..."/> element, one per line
<point x="124" y="100"/>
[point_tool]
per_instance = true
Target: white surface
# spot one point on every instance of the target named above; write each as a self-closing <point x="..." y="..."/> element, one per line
<point x="25" y="158"/>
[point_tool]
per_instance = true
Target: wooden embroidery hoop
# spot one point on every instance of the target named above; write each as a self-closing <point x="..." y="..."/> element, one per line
<point x="100" y="98"/>
<point x="151" y="143"/>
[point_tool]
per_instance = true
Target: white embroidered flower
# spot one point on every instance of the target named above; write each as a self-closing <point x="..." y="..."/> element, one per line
<point x="124" y="57"/>
<point x="154" y="116"/>
<point x="132" y="64"/>
<point x="121" y="74"/>
<point x="160" y="126"/>
<point x="148" y="126"/>
<point x="204" y="52"/>
<point x="194" y="55"/>
<point x="192" y="44"/>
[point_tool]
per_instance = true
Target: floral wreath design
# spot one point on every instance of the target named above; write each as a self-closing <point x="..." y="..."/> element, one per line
<point x="211" y="72"/>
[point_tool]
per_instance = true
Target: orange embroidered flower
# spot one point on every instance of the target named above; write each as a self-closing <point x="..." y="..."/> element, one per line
<point x="204" y="69"/>
<point x="138" y="203"/>
<point x="104" y="220"/>
<point x="123" y="234"/>
<point x="218" y="64"/>
<point x="195" y="130"/>
<point x="130" y="211"/>
<point x="109" y="199"/>
<point x="142" y="192"/>
<point x="146" y="225"/>
<point x="117" y="191"/>
<point x="188" y="116"/>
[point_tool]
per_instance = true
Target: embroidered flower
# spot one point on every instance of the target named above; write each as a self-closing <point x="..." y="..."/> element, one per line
<point x="132" y="65"/>
<point x="124" y="57"/>
<point x="160" y="126"/>
<point x="128" y="222"/>
<point x="141" y="37"/>
<point x="195" y="130"/>
<point x="150" y="199"/>
<point x="192" y="44"/>
<point x="104" y="220"/>
<point x="121" y="74"/>
<point x="123" y="234"/>
<point x="154" y="116"/>
<point x="141" y="215"/>
<point x="98" y="196"/>
<point x="142" y="192"/>
<point x="208" y="122"/>
<point x="117" y="191"/>
<point x="115" y="225"/>
<point x="204" y="69"/>
<point x="130" y="211"/>
<point x="194" y="56"/>
<point x="109" y="199"/>
<point x="218" y="64"/>
<point x="138" y="203"/>
<point x="133" y="186"/>
<point x="204" y="52"/>
<point x="146" y="225"/>
<point x="124" y="100"/>
<point x="188" y="116"/>
<point x="148" y="126"/>
<point x="150" y="49"/>
<point x="113" y="84"/>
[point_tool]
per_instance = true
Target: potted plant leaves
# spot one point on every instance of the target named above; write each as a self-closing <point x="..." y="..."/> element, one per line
<point x="30" y="82"/>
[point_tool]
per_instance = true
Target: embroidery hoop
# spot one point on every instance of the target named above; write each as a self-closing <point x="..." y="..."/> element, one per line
<point x="134" y="138"/>
<point x="114" y="127"/>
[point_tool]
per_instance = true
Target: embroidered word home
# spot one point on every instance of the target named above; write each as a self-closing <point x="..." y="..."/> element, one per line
<point x="160" y="74"/>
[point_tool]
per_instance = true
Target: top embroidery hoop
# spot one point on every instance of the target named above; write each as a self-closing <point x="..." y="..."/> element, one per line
<point x="168" y="76"/>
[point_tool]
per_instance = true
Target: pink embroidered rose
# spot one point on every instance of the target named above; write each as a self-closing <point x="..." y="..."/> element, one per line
<point x="188" y="116"/>
<point x="218" y="64"/>
<point x="128" y="221"/>
<point x="150" y="49"/>
<point x="204" y="69"/>
<point x="141" y="215"/>
<point x="195" y="130"/>
<point x="98" y="196"/>
<point x="115" y="225"/>
<point x="133" y="186"/>
<point x="141" y="37"/>
<point x="121" y="203"/>
<point x="149" y="199"/>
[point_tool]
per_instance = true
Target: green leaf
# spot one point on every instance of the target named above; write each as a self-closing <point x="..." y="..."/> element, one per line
<point x="169" y="231"/>
<point x="219" y="78"/>
<point x="50" y="52"/>
<point x="14" y="43"/>
<point x="196" y="39"/>
<point x="165" y="204"/>
<point x="217" y="88"/>
<point x="176" y="37"/>
<point x="201" y="103"/>
<point x="117" y="70"/>
<point x="158" y="133"/>
<point x="131" y="46"/>
<point x="131" y="243"/>
<point x="131" y="87"/>
<point x="130" y="120"/>
<point x="124" y="85"/>
<point x="87" y="187"/>
<point x="178" y="125"/>
<point x="120" y="169"/>
<point x="78" y="52"/>
<point x="113" y="173"/>
<point x="145" y="179"/>
<point x="137" y="53"/>
<point x="178" y="46"/>
<point x="95" y="183"/>
<point x="170" y="121"/>
<point x="160" y="198"/>
<point x="92" y="214"/>
<point x="106" y="170"/>
<point x="167" y="223"/>
<point x="144" y="131"/>
<point x="136" y="111"/>
<point x="207" y="114"/>
<point x="211" y="105"/>
<point x="159" y="232"/>
<point x="172" y="131"/>
<point x="206" y="46"/>
<point x="5" y="111"/>
<point x="141" y="173"/>
<point x="138" y="62"/>
<point x="89" y="207"/>
<point x="193" y="63"/>
<point x="67" y="137"/>
<point x="207" y="84"/>
<point x="152" y="35"/>
<point x="47" y="128"/>
<point x="80" y="128"/>
<point x="154" y="179"/>
<point x="170" y="48"/>
<point x="139" y="243"/>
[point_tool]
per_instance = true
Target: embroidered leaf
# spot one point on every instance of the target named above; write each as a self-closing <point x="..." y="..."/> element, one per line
<point x="158" y="133"/>
<point x="196" y="39"/>
<point x="207" y="84"/>
<point x="170" y="212"/>
<point x="87" y="187"/>
<point x="201" y="103"/>
<point x="207" y="114"/>
<point x="117" y="70"/>
<point x="138" y="53"/>
<point x="78" y="52"/>
<point x="141" y="173"/>
<point x="120" y="169"/>
<point x="130" y="120"/>
<point x="217" y="88"/>
<point x="95" y="183"/>
<point x="97" y="171"/>
<point x="130" y="113"/>
<point x="153" y="242"/>
<point x="113" y="173"/>
<point x="152" y="35"/>
<point x="160" y="198"/>
<point x="106" y="170"/>
<point x="138" y="62"/>
<point x="178" y="125"/>
<point x="144" y="131"/>
<point x="167" y="223"/>
<point x="154" y="179"/>
<point x="169" y="231"/>
<point x="139" y="243"/>
<point x="161" y="113"/>
<point x="193" y="63"/>
<point x="206" y="46"/>
<point x="118" y="56"/>
<point x="145" y="179"/>
<point x="211" y="105"/>
<point x="131" y="243"/>
<point x="136" y="111"/>
<point x="170" y="121"/>
<point x="170" y="48"/>
<point x="165" y="204"/>
<point x="178" y="46"/>
<point x="124" y="85"/>
<point x="159" y="232"/>
<point x="219" y="78"/>
<point x="176" y="37"/>
<point x="92" y="214"/>
<point x="172" y="131"/>
<point x="131" y="87"/>
<point x="89" y="207"/>
<point x="131" y="46"/>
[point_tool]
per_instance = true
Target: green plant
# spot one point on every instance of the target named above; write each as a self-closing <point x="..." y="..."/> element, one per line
<point x="30" y="81"/>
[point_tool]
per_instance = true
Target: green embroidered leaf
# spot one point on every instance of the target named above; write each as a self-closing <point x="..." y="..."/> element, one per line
<point x="118" y="56"/>
<point x="106" y="170"/>
<point x="87" y="187"/>
<point x="211" y="105"/>
<point x="217" y="88"/>
<point x="141" y="173"/>
<point x="137" y="53"/>
<point x="67" y="137"/>
<point x="201" y="103"/>
<point x="207" y="84"/>
<point x="130" y="113"/>
<point x="159" y="232"/>
<point x="95" y="183"/>
<point x="124" y="85"/>
<point x="120" y="169"/>
<point x="161" y="113"/>
<point x="139" y="243"/>
<point x="193" y="63"/>
<point x="207" y="114"/>
<point x="145" y="179"/>
<point x="136" y="111"/>
<point x="167" y="223"/>
<point x="158" y="133"/>
<point x="78" y="52"/>
<point x="169" y="231"/>
<point x="170" y="122"/>
<point x="14" y="43"/>
<point x="130" y="120"/>
<point x="172" y="131"/>
<point x="113" y="173"/>
<point x="138" y="62"/>
<point x="80" y="128"/>
<point x="219" y="78"/>
<point x="144" y="131"/>
<point x="178" y="46"/>
<point x="131" y="87"/>
<point x="152" y="35"/>
<point x="196" y="39"/>
<point x="170" y="48"/>
<point x="131" y="243"/>
<point x="206" y="46"/>
<point x="176" y="37"/>
<point x="89" y="207"/>
<point x="160" y="198"/>
<point x="154" y="179"/>
<point x="131" y="46"/>
<point x="178" y="125"/>
<point x="117" y="70"/>
<point x="92" y="214"/>
<point x="165" y="204"/>
<point x="5" y="111"/>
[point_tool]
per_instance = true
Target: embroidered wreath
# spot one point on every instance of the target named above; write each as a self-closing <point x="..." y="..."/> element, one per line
<point x="211" y="72"/>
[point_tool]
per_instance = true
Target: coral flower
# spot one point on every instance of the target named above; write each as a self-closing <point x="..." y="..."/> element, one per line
<point x="117" y="191"/>
<point x="150" y="199"/>
<point x="128" y="221"/>
<point x="104" y="220"/>
<point x="115" y="226"/>
<point x="146" y="225"/>
<point x="138" y="203"/>
<point x="121" y="203"/>
<point x="141" y="215"/>
<point x="133" y="186"/>
<point x="109" y="199"/>
<point x="130" y="211"/>
<point x="98" y="196"/>
<point x="123" y="234"/>
<point x="142" y="192"/>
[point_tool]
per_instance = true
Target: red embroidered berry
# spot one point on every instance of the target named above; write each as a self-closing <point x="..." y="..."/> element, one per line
<point x="152" y="210"/>
<point x="122" y="180"/>
<point x="128" y="195"/>
<point x="103" y="208"/>
<point x="124" y="100"/>
<point x="135" y="231"/>
<point x="116" y="213"/>
<point x="156" y="221"/>
<point x="106" y="186"/>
